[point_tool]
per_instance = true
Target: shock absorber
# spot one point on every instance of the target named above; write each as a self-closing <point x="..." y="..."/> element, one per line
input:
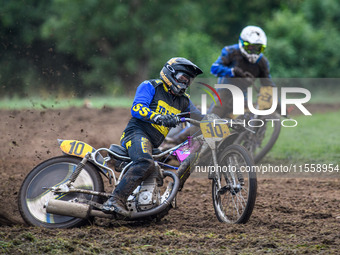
<point x="78" y="169"/>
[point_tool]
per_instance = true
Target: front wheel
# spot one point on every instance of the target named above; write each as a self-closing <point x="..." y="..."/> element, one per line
<point x="34" y="192"/>
<point x="234" y="186"/>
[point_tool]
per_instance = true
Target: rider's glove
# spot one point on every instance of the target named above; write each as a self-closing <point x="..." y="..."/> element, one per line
<point x="238" y="72"/>
<point x="166" y="120"/>
<point x="248" y="77"/>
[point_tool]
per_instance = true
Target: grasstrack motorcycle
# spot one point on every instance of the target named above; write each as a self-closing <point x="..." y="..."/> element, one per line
<point x="68" y="191"/>
<point x="261" y="136"/>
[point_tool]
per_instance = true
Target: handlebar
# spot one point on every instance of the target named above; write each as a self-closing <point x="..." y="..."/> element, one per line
<point x="192" y="121"/>
<point x="235" y="124"/>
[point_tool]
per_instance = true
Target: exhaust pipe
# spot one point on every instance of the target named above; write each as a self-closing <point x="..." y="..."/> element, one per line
<point x="77" y="210"/>
<point x="68" y="209"/>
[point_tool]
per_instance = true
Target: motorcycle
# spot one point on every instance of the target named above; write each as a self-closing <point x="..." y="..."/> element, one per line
<point x="68" y="191"/>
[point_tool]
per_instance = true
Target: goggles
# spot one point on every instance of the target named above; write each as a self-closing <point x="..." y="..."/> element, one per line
<point x="184" y="78"/>
<point x="253" y="48"/>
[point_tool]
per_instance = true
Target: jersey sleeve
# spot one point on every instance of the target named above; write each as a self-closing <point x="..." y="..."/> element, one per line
<point x="140" y="107"/>
<point x="220" y="67"/>
<point x="265" y="73"/>
<point x="194" y="112"/>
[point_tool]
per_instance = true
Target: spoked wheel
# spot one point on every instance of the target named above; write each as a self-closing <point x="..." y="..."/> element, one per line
<point x="260" y="143"/>
<point x="34" y="192"/>
<point x="234" y="199"/>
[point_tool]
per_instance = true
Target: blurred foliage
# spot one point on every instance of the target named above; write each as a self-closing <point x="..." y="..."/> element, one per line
<point x="301" y="43"/>
<point x="73" y="48"/>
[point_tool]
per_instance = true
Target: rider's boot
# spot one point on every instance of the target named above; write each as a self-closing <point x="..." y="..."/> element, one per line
<point x="137" y="173"/>
<point x="117" y="202"/>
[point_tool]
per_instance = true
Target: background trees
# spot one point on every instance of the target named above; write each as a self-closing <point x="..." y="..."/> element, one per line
<point x="91" y="46"/>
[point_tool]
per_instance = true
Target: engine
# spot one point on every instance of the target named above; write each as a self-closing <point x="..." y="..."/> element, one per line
<point x="147" y="195"/>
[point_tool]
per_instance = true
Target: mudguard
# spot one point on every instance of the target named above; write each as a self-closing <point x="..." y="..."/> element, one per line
<point x="75" y="148"/>
<point x="228" y="141"/>
<point x="80" y="149"/>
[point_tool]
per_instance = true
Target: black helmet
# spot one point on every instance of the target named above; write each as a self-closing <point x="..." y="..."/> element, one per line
<point x="178" y="74"/>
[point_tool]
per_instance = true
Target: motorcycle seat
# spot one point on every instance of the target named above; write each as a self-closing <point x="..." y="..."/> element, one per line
<point x="121" y="151"/>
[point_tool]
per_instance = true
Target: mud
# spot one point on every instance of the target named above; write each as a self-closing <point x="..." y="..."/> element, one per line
<point x="291" y="216"/>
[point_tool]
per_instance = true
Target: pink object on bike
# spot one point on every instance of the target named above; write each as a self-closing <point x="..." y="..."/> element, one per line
<point x="182" y="153"/>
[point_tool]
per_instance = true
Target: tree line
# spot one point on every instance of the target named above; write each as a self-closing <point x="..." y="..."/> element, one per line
<point x="75" y="47"/>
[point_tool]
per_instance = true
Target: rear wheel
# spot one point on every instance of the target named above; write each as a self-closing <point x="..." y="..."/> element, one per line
<point x="235" y="199"/>
<point x="34" y="194"/>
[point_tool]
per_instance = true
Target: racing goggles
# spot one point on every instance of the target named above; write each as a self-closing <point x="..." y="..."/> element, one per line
<point x="253" y="48"/>
<point x="184" y="78"/>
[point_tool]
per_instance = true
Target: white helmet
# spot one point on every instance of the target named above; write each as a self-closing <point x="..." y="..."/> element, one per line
<point x="252" y="42"/>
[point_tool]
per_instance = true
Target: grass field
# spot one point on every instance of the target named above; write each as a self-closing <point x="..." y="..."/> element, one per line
<point x="320" y="94"/>
<point x="316" y="139"/>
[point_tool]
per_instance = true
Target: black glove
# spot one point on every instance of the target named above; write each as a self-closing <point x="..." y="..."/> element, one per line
<point x="166" y="120"/>
<point x="249" y="77"/>
<point x="238" y="72"/>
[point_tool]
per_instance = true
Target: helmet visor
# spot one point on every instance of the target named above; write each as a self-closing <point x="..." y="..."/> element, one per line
<point x="253" y="48"/>
<point x="184" y="78"/>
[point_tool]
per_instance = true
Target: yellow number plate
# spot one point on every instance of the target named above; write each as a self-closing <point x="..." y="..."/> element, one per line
<point x="265" y="99"/>
<point x="209" y="130"/>
<point x="76" y="148"/>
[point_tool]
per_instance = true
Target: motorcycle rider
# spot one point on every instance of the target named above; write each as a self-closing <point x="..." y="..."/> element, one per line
<point x="238" y="64"/>
<point x="244" y="61"/>
<point x="153" y="113"/>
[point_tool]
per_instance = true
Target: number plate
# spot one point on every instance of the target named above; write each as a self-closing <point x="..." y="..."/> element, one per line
<point x="265" y="99"/>
<point x="214" y="131"/>
<point x="75" y="148"/>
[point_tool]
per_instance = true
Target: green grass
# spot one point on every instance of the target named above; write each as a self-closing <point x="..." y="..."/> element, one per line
<point x="316" y="139"/>
<point x="325" y="96"/>
<point x="57" y="103"/>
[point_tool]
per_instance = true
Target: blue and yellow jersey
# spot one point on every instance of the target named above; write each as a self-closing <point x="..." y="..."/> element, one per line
<point x="153" y="97"/>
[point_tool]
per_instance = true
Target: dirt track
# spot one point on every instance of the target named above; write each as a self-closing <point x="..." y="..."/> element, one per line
<point x="291" y="216"/>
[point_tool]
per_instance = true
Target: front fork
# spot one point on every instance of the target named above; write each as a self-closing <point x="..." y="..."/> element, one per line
<point x="215" y="174"/>
<point x="232" y="181"/>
